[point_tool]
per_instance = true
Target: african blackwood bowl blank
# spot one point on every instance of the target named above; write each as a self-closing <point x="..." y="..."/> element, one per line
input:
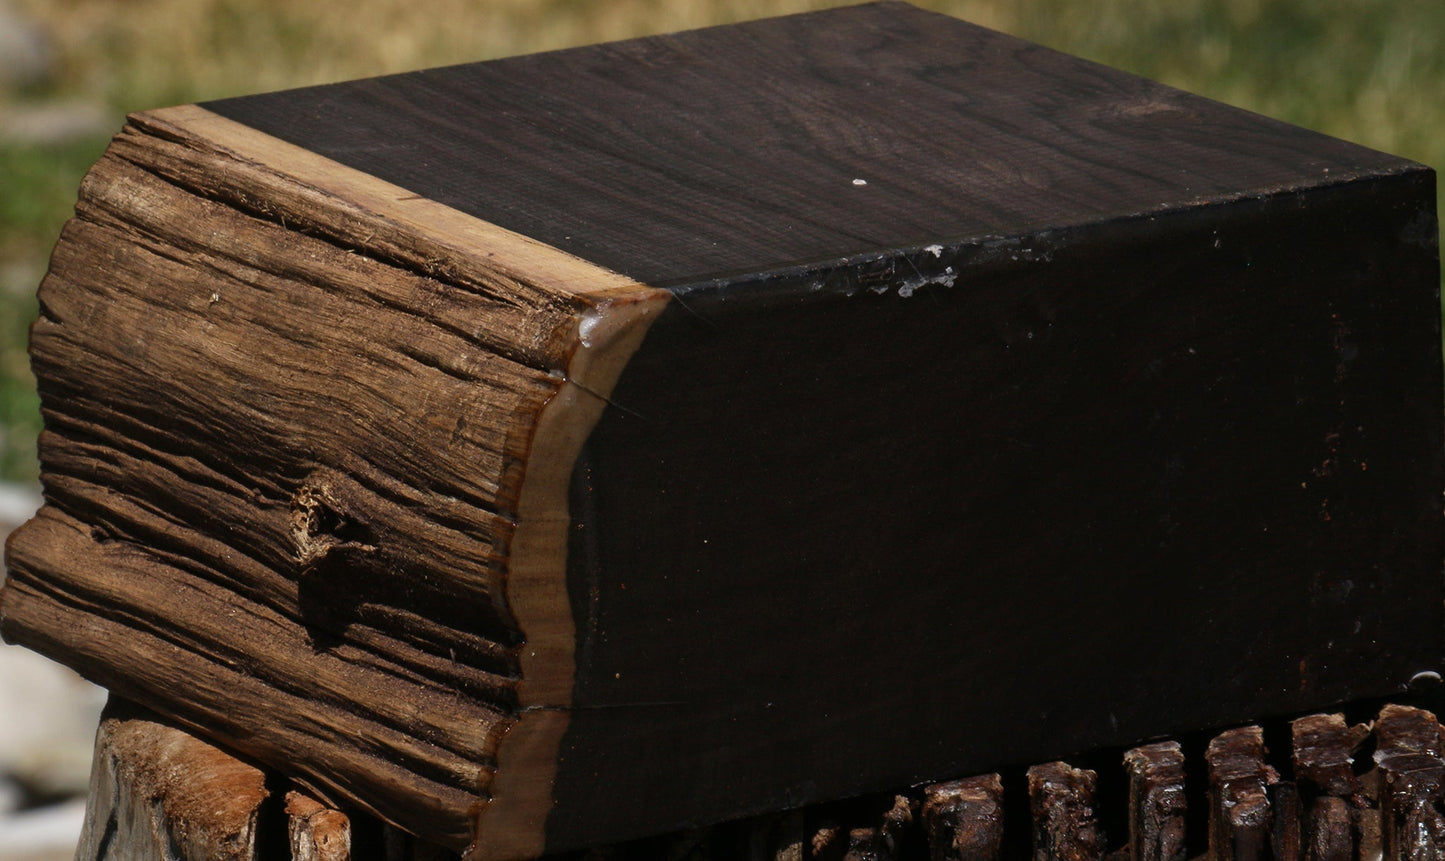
<point x="551" y="451"/>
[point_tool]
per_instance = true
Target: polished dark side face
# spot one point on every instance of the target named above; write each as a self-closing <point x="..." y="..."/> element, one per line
<point x="1163" y="477"/>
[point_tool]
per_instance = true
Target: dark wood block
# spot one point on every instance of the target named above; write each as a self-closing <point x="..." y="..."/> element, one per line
<point x="880" y="842"/>
<point x="569" y="448"/>
<point x="1330" y="831"/>
<point x="1157" y="802"/>
<point x="964" y="819"/>
<point x="1241" y="819"/>
<point x="1287" y="826"/>
<point x="1323" y="758"/>
<point x="1411" y="787"/>
<point x="1324" y="753"/>
<point x="1061" y="800"/>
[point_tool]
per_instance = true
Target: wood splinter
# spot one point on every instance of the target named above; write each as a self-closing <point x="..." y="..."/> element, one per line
<point x="1156" y="802"/>
<point x="1411" y="788"/>
<point x="1061" y="799"/>
<point x="1240" y="823"/>
<point x="1323" y="748"/>
<point x="317" y="832"/>
<point x="963" y="819"/>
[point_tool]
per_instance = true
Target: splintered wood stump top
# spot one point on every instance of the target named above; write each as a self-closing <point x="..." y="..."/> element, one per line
<point x="561" y="449"/>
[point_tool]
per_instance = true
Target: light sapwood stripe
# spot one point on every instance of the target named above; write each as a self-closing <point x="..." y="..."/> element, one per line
<point x="467" y="236"/>
<point x="512" y="826"/>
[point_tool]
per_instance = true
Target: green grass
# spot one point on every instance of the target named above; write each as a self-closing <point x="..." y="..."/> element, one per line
<point x="40" y="185"/>
<point x="1362" y="70"/>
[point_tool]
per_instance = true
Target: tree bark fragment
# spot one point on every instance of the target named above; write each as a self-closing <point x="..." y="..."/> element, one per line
<point x="1411" y="778"/>
<point x="1065" y="827"/>
<point x="158" y="792"/>
<point x="964" y="819"/>
<point x="1157" y="802"/>
<point x="1240" y="821"/>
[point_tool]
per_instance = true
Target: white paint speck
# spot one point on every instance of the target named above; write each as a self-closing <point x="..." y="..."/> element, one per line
<point x="935" y="250"/>
<point x="860" y="182"/>
<point x="586" y="327"/>
<point x="911" y="285"/>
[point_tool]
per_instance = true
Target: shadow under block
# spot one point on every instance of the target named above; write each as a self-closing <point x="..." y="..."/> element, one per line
<point x="555" y="450"/>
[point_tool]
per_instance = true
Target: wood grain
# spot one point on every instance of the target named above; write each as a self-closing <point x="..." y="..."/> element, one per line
<point x="1411" y="776"/>
<point x="158" y="792"/>
<point x="964" y="819"/>
<point x="1241" y="818"/>
<point x="1065" y="826"/>
<point x="281" y="428"/>
<point x="1157" y="802"/>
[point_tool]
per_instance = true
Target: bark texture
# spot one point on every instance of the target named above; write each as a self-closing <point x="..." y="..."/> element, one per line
<point x="286" y="440"/>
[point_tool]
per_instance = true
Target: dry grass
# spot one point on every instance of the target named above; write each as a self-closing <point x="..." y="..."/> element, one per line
<point x="1369" y="72"/>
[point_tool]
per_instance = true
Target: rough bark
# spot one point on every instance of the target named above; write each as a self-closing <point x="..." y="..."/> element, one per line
<point x="964" y="819"/>
<point x="1240" y="820"/>
<point x="1156" y="802"/>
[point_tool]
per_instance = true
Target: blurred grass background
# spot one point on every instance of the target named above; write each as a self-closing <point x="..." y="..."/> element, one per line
<point x="1365" y="70"/>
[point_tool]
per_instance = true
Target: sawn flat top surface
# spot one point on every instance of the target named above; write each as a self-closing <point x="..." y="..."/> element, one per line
<point x="736" y="150"/>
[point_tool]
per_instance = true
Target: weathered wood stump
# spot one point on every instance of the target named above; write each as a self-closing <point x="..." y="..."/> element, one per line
<point x="159" y="792"/>
<point x="549" y="452"/>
